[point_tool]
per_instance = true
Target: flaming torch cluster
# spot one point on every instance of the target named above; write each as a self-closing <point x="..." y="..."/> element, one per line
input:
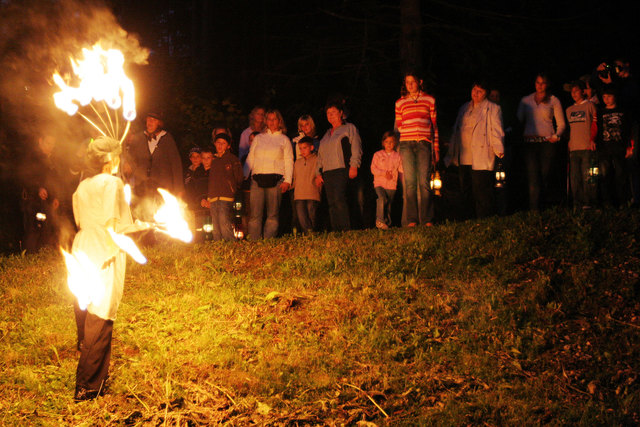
<point x="101" y="79"/>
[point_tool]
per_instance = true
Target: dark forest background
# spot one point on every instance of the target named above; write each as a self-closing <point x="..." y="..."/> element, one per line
<point x="211" y="61"/>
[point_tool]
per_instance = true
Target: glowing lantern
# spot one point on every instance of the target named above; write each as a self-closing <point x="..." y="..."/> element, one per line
<point x="435" y="183"/>
<point x="501" y="176"/>
<point x="594" y="171"/>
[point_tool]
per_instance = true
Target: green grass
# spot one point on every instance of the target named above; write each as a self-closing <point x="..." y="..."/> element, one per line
<point x="529" y="319"/>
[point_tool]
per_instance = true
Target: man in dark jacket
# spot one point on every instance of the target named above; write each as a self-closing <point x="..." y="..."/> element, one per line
<point x="153" y="160"/>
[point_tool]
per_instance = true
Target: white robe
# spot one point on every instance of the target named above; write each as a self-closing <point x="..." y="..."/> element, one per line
<point x="96" y="202"/>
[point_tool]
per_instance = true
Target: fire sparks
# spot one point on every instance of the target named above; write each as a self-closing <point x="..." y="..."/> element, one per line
<point x="169" y="216"/>
<point x="83" y="278"/>
<point x="101" y="78"/>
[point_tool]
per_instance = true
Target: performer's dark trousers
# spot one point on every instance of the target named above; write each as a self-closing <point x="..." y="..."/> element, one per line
<point x="94" y="342"/>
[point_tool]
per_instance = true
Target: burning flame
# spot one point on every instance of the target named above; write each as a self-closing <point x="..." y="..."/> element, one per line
<point x="170" y="217"/>
<point x="101" y="78"/>
<point x="127" y="244"/>
<point x="127" y="193"/>
<point x="83" y="278"/>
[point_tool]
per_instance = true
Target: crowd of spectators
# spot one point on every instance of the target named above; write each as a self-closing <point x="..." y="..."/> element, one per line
<point x="232" y="195"/>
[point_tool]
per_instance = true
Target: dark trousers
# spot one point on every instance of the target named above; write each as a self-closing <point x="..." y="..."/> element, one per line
<point x="94" y="342"/>
<point x="477" y="191"/>
<point x="335" y="184"/>
<point x="613" y="176"/>
<point x="579" y="163"/>
<point x="538" y="158"/>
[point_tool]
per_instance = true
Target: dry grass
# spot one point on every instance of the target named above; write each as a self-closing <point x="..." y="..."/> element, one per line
<point x="528" y="319"/>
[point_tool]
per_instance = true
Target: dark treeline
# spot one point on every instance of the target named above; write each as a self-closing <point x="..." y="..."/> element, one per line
<point x="210" y="61"/>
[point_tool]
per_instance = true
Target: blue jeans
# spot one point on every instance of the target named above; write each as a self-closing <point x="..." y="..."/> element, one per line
<point x="417" y="204"/>
<point x="335" y="186"/>
<point x="306" y="213"/>
<point x="221" y="220"/>
<point x="383" y="204"/>
<point x="259" y="199"/>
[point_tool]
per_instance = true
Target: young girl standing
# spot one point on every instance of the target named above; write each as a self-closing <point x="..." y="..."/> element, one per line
<point x="385" y="167"/>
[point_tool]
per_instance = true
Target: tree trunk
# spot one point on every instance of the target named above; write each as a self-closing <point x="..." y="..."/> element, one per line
<point x="411" y="38"/>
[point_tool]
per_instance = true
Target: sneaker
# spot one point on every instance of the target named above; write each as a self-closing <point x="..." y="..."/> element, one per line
<point x="381" y="225"/>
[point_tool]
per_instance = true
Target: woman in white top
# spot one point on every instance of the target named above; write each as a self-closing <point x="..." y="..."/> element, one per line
<point x="270" y="162"/>
<point x="543" y="119"/>
<point x="477" y="139"/>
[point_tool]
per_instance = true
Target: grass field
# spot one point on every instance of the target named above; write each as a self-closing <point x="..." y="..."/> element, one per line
<point x="529" y="319"/>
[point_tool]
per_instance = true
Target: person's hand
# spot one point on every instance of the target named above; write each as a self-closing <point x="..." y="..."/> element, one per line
<point x="605" y="79"/>
<point x="285" y="186"/>
<point x="55" y="204"/>
<point x="319" y="181"/>
<point x="126" y="169"/>
<point x="592" y="145"/>
<point x="353" y="172"/>
<point x="205" y="203"/>
<point x="389" y="175"/>
<point x="42" y="193"/>
<point x="500" y="155"/>
<point x="553" y="138"/>
<point x="629" y="153"/>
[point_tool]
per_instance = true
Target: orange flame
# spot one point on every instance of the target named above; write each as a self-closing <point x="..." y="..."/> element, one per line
<point x="170" y="217"/>
<point x="127" y="244"/>
<point x="101" y="78"/>
<point x="83" y="278"/>
<point x="127" y="193"/>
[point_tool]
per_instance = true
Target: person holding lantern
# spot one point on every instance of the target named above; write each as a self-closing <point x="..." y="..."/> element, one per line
<point x="477" y="139"/>
<point x="98" y="206"/>
<point x="415" y="117"/>
<point x="582" y="118"/>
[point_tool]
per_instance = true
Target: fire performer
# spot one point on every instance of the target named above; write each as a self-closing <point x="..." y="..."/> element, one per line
<point x="99" y="205"/>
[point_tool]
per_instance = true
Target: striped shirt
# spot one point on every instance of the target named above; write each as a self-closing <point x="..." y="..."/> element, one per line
<point x="416" y="119"/>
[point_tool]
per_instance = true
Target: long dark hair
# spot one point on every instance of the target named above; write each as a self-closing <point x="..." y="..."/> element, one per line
<point x="416" y="75"/>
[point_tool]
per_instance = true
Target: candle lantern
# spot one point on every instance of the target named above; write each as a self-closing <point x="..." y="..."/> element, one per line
<point x="207" y="227"/>
<point x="237" y="217"/>
<point x="501" y="176"/>
<point x="594" y="171"/>
<point x="435" y="182"/>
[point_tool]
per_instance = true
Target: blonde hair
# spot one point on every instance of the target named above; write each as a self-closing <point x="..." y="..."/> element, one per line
<point x="281" y="127"/>
<point x="307" y="118"/>
<point x="252" y="116"/>
<point x="101" y="151"/>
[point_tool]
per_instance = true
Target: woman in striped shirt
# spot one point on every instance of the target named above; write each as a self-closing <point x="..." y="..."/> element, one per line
<point x="417" y="125"/>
